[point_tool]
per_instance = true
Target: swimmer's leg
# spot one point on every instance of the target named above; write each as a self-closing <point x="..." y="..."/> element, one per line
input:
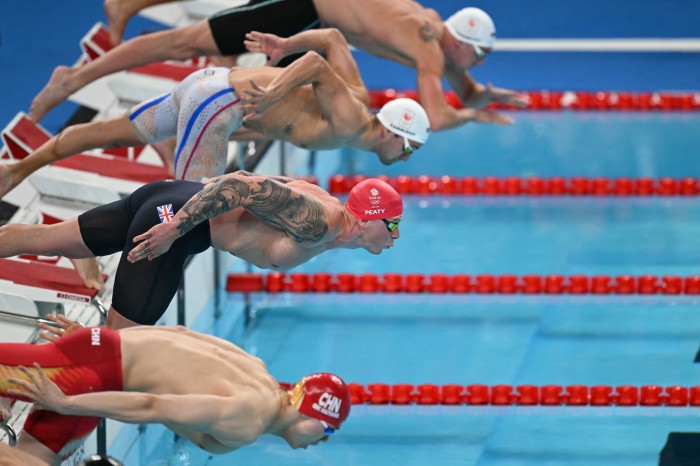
<point x="63" y="239"/>
<point x="174" y="44"/>
<point x="115" y="132"/>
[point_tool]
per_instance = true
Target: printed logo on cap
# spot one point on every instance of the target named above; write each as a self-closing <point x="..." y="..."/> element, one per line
<point x="328" y="405"/>
<point x="407" y="120"/>
<point x="375" y="200"/>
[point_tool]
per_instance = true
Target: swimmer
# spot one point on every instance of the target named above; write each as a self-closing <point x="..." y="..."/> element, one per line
<point x="399" y="30"/>
<point x="220" y="397"/>
<point x="272" y="222"/>
<point x="314" y="103"/>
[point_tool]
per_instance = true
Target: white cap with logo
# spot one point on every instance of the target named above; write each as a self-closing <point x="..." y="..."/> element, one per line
<point x="407" y="118"/>
<point x="472" y="26"/>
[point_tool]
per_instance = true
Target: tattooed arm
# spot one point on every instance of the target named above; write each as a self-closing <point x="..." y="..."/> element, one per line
<point x="268" y="198"/>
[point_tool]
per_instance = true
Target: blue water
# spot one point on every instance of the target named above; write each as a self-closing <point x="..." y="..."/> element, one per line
<point x="548" y="144"/>
<point x="523" y="235"/>
<point x="468" y="339"/>
<point x="499" y="339"/>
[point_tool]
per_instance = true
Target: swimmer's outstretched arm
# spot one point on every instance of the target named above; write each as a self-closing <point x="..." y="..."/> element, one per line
<point x="329" y="42"/>
<point x="476" y="95"/>
<point x="270" y="199"/>
<point x="233" y="420"/>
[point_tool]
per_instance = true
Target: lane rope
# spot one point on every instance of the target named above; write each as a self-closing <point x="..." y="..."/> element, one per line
<point x="531" y="284"/>
<point x="527" y="186"/>
<point x="523" y="395"/>
<point x="546" y="100"/>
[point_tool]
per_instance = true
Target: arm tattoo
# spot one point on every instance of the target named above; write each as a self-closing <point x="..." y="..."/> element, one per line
<point x="302" y="218"/>
<point x="269" y="200"/>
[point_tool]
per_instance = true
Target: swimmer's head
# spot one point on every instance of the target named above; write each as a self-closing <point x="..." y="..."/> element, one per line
<point x="472" y="26"/>
<point x="324" y="397"/>
<point x="374" y="199"/>
<point x="406" y="118"/>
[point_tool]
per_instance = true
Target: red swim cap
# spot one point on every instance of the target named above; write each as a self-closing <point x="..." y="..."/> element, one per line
<point x="374" y="199"/>
<point x="322" y="396"/>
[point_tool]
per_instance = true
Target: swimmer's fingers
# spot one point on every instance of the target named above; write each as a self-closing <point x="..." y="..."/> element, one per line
<point x="65" y="327"/>
<point x="29" y="386"/>
<point x="142" y="251"/>
<point x="154" y="243"/>
<point x="269" y="44"/>
<point x="507" y="96"/>
<point x="49" y="332"/>
<point x="38" y="388"/>
<point x="253" y="41"/>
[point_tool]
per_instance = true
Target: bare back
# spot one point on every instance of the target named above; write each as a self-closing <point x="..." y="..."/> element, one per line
<point x="396" y="37"/>
<point x="267" y="246"/>
<point x="297" y="118"/>
<point x="178" y="361"/>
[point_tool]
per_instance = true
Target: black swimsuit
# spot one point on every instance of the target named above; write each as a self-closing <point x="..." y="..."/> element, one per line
<point x="143" y="290"/>
<point x="283" y="18"/>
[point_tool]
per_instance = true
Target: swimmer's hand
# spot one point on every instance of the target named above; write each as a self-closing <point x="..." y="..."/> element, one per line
<point x="257" y="100"/>
<point x="269" y="44"/>
<point x="39" y="389"/>
<point x="484" y="95"/>
<point x="65" y="326"/>
<point x="154" y="242"/>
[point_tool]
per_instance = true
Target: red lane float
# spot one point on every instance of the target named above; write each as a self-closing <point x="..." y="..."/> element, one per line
<point x="532" y="186"/>
<point x="525" y="395"/>
<point x="543" y="100"/>
<point x="647" y="284"/>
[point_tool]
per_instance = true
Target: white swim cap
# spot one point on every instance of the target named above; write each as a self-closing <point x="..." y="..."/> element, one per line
<point x="472" y="26"/>
<point x="407" y="118"/>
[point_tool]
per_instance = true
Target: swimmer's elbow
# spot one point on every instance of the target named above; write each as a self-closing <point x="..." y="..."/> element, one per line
<point x="313" y="61"/>
<point x="335" y="38"/>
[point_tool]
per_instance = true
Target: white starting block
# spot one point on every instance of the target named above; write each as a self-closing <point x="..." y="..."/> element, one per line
<point x="145" y="82"/>
<point x="96" y="179"/>
<point x="45" y="283"/>
<point x="18" y="318"/>
<point x="205" y="8"/>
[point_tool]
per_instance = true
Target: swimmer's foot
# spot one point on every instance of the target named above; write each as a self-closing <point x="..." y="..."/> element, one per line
<point x="89" y="271"/>
<point x="117" y="17"/>
<point x="55" y="92"/>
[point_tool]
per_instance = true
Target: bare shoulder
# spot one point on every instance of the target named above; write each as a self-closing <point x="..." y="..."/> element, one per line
<point x="308" y="187"/>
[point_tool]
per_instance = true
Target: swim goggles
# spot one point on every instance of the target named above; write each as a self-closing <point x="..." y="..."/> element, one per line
<point x="328" y="430"/>
<point x="391" y="226"/>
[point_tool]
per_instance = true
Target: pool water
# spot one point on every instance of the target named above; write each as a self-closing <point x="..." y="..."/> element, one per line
<point x="498" y="339"/>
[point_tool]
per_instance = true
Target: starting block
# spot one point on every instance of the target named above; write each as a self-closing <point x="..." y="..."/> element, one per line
<point x="96" y="42"/>
<point x="45" y="283"/>
<point x="145" y="82"/>
<point x="19" y="316"/>
<point x="205" y="8"/>
<point x="96" y="179"/>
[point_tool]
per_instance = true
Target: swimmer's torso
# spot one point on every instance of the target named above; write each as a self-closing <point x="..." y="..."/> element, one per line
<point x="193" y="363"/>
<point x="381" y="27"/>
<point x="295" y="119"/>
<point x="265" y="245"/>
